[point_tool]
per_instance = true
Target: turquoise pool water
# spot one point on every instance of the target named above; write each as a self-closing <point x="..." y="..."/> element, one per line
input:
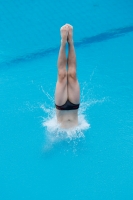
<point x="37" y="160"/>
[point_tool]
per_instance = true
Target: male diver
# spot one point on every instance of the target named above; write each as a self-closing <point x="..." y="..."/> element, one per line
<point x="67" y="93"/>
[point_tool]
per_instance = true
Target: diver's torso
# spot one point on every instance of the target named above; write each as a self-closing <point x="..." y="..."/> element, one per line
<point x="67" y="118"/>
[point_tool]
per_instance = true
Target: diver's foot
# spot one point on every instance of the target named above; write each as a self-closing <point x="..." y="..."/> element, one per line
<point x="64" y="34"/>
<point x="70" y="34"/>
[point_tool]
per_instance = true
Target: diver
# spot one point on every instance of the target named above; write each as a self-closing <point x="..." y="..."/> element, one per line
<point x="67" y="92"/>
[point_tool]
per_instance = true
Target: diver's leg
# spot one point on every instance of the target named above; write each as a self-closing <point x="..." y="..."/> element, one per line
<point x="61" y="85"/>
<point x="73" y="85"/>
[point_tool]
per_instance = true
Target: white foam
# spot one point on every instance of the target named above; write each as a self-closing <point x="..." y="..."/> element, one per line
<point x="56" y="133"/>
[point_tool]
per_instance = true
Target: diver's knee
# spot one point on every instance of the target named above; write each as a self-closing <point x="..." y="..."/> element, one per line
<point x="62" y="76"/>
<point x="72" y="74"/>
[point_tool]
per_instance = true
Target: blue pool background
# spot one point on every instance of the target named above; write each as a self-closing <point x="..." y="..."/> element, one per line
<point x="98" y="166"/>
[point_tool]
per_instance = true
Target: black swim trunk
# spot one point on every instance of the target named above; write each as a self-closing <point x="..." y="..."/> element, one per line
<point x="67" y="106"/>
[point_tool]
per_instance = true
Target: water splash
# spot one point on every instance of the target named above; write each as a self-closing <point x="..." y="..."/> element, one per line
<point x="54" y="133"/>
